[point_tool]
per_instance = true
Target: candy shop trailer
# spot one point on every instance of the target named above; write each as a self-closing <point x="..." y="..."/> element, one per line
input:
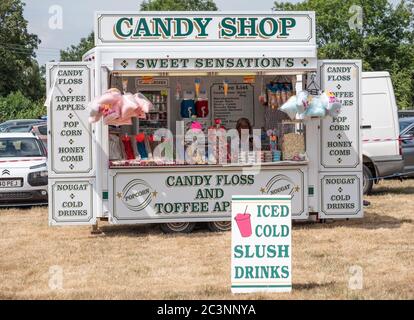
<point x="216" y="65"/>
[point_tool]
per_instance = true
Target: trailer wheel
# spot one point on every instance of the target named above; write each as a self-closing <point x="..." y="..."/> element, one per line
<point x="219" y="226"/>
<point x="367" y="180"/>
<point x="178" y="227"/>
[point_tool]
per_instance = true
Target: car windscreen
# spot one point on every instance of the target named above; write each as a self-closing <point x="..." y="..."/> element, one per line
<point x="18" y="129"/>
<point x="404" y="124"/>
<point x="20" y="147"/>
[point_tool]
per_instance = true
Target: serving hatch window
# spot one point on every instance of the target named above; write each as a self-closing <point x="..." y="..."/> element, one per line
<point x="205" y="119"/>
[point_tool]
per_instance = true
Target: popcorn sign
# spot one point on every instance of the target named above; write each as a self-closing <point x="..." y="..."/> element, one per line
<point x="261" y="244"/>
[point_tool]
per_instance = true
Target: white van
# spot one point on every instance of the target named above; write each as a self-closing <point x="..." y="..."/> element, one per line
<point x="381" y="146"/>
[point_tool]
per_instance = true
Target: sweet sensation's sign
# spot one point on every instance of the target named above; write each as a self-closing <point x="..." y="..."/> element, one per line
<point x="178" y="64"/>
<point x="198" y="27"/>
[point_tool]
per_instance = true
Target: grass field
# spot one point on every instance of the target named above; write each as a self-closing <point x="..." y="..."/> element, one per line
<point x="139" y="262"/>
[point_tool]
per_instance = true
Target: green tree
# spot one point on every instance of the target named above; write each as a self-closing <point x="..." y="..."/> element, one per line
<point x="178" y="5"/>
<point x="18" y="68"/>
<point x="16" y="105"/>
<point x="75" y="53"/>
<point x="385" y="41"/>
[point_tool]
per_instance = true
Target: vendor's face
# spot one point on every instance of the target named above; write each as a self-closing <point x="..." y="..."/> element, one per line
<point x="243" y="126"/>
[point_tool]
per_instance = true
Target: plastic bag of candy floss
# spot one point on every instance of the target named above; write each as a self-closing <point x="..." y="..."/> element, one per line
<point x="316" y="108"/>
<point x="107" y="105"/>
<point x="290" y="107"/>
<point x="333" y="105"/>
<point x="302" y="101"/>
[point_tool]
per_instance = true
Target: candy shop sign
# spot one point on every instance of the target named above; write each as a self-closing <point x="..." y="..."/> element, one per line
<point x="198" y="27"/>
<point x="261" y="244"/>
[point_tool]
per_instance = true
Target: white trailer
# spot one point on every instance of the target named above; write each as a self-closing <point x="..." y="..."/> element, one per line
<point x="164" y="53"/>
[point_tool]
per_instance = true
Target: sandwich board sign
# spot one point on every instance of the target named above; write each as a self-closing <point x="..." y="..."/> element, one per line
<point x="261" y="254"/>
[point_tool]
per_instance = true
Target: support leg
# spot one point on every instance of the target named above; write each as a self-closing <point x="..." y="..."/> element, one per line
<point x="95" y="228"/>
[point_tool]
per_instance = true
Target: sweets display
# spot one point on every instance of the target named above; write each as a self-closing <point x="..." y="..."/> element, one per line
<point x="218" y="144"/>
<point x="188" y="108"/>
<point x="279" y="93"/>
<point x="293" y="146"/>
<point x="126" y="140"/>
<point x="141" y="143"/>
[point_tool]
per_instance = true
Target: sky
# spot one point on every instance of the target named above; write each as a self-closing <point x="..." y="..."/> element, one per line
<point x="78" y="18"/>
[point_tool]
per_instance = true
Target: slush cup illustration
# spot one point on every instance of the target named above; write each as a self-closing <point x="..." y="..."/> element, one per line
<point x="244" y="223"/>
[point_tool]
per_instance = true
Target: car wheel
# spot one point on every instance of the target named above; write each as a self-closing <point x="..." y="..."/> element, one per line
<point x="178" y="227"/>
<point x="219" y="226"/>
<point x="368" y="180"/>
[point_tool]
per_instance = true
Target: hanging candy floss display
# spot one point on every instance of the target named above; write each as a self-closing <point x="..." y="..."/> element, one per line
<point x="331" y="103"/>
<point x="107" y="105"/>
<point x="308" y="106"/>
<point x="316" y="108"/>
<point x="296" y="104"/>
<point x="302" y="101"/>
<point x="290" y="107"/>
<point x="118" y="109"/>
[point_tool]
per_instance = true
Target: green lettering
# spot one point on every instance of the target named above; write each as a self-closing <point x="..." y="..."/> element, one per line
<point x="286" y="23"/>
<point x="201" y="25"/>
<point x="119" y="33"/>
<point x="228" y="28"/>
<point x="142" y="29"/>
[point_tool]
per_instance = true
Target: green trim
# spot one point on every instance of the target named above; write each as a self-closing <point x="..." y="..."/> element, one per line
<point x="263" y="286"/>
<point x="105" y="195"/>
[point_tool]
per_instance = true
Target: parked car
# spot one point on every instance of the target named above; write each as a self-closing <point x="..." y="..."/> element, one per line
<point x="40" y="130"/>
<point x="381" y="144"/>
<point x="19" y="128"/>
<point x="18" y="122"/>
<point x="23" y="170"/>
<point x="406" y="113"/>
<point x="407" y="143"/>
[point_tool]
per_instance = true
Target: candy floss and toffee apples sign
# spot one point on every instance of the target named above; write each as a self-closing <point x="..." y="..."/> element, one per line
<point x="261" y="244"/>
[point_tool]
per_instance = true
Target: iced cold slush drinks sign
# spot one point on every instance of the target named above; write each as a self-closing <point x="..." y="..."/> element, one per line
<point x="261" y="244"/>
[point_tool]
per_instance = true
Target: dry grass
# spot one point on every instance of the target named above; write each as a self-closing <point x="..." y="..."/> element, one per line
<point x="139" y="262"/>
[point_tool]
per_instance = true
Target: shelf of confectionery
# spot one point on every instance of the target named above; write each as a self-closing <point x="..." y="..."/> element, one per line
<point x="159" y="164"/>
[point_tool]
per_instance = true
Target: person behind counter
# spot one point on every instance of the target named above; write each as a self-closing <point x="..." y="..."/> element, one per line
<point x="244" y="124"/>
